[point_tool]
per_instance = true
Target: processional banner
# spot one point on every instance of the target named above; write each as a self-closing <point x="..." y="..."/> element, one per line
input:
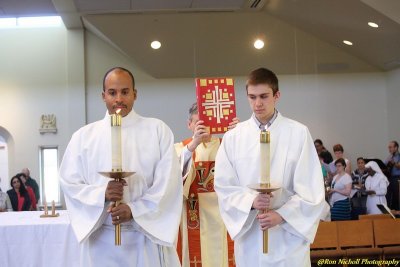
<point x="216" y="103"/>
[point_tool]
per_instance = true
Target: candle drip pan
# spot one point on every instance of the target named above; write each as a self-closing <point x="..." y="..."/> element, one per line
<point x="263" y="187"/>
<point x="117" y="175"/>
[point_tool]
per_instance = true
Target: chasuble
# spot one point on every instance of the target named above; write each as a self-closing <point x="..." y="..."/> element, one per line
<point x="203" y="238"/>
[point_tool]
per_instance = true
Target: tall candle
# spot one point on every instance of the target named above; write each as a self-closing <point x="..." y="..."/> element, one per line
<point x="116" y="146"/>
<point x="265" y="174"/>
<point x="265" y="157"/>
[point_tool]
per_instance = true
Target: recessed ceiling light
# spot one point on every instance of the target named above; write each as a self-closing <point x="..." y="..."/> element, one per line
<point x="373" y="24"/>
<point x="258" y="44"/>
<point x="347" y="42"/>
<point x="155" y="44"/>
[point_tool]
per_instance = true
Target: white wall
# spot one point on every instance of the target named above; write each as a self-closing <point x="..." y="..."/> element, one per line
<point x="345" y="108"/>
<point x="393" y="104"/>
<point x="34" y="81"/>
<point x="348" y="109"/>
<point x="45" y="71"/>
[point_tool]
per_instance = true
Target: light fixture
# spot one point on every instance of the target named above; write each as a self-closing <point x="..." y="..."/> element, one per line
<point x="37" y="22"/>
<point x="373" y="24"/>
<point x="347" y="42"/>
<point x="258" y="44"/>
<point x="31" y="22"/>
<point x="155" y="44"/>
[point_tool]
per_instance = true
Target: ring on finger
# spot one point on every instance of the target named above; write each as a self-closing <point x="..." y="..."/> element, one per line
<point x="117" y="218"/>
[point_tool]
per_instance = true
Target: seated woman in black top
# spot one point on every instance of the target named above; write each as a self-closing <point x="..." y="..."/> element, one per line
<point x="19" y="197"/>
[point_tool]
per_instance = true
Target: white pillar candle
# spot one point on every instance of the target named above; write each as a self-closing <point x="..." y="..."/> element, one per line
<point x="265" y="157"/>
<point x="116" y="145"/>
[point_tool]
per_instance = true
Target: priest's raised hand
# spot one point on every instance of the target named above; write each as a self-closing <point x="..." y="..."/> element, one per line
<point x="200" y="134"/>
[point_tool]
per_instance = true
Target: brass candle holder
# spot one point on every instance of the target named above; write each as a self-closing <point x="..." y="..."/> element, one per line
<point x="116" y="172"/>
<point x="46" y="211"/>
<point x="264" y="188"/>
<point x="117" y="176"/>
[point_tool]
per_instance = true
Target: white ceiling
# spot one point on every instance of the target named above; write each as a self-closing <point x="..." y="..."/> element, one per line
<point x="213" y="38"/>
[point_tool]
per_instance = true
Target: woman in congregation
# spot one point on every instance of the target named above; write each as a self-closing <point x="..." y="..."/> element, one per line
<point x="340" y="192"/>
<point x="20" y="200"/>
<point x="376" y="187"/>
<point x="338" y="151"/>
<point x="29" y="189"/>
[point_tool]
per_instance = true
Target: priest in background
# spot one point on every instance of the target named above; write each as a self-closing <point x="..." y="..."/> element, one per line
<point x="203" y="238"/>
<point x="151" y="199"/>
<point x="296" y="208"/>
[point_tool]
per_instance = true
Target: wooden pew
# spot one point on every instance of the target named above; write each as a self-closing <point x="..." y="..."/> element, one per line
<point x="356" y="238"/>
<point x="325" y="245"/>
<point x="374" y="217"/>
<point x="387" y="236"/>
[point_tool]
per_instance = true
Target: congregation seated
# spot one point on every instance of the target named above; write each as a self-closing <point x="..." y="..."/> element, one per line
<point x="31" y="193"/>
<point x="32" y="183"/>
<point x="19" y="197"/>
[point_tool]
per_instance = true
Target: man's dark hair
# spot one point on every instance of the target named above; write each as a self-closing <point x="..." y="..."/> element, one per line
<point x="120" y="69"/>
<point x="318" y="141"/>
<point x="263" y="76"/>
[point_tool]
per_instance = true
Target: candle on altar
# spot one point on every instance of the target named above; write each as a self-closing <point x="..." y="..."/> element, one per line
<point x="265" y="158"/>
<point x="53" y="208"/>
<point x="46" y="211"/>
<point x="116" y="146"/>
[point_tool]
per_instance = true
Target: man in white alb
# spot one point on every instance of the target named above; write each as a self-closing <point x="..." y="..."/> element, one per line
<point x="151" y="198"/>
<point x="296" y="208"/>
